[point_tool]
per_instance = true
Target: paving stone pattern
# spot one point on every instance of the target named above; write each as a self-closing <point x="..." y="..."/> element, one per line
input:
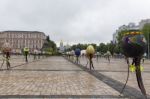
<point x="52" y="77"/>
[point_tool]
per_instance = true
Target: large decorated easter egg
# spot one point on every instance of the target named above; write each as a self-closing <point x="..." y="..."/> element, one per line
<point x="133" y="44"/>
<point x="77" y="52"/>
<point x="90" y="50"/>
<point x="6" y="47"/>
<point x="72" y="52"/>
<point x="26" y="51"/>
<point x="108" y="53"/>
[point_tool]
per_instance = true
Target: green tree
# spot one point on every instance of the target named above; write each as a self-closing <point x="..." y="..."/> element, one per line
<point x="117" y="49"/>
<point x="49" y="46"/>
<point x="146" y="31"/>
<point x="111" y="47"/>
<point x="80" y="46"/>
<point x="102" y="48"/>
<point x="47" y="38"/>
<point x="119" y="38"/>
<point x="94" y="45"/>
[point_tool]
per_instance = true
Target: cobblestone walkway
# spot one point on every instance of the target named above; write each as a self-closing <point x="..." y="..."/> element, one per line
<point x="53" y="77"/>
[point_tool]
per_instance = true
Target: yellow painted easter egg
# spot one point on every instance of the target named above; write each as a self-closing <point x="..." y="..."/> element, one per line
<point x="90" y="50"/>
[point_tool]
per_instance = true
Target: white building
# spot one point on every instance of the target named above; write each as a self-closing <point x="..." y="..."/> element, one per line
<point x="61" y="48"/>
<point x="130" y="26"/>
<point x="115" y="37"/>
<point x="143" y="22"/>
<point x="67" y="46"/>
<point x="121" y="28"/>
<point x="20" y="39"/>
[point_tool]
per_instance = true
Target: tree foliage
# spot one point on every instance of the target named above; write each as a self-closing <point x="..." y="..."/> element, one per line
<point x="80" y="46"/>
<point x="146" y="30"/>
<point x="102" y="47"/>
<point x="118" y="48"/>
<point x="49" y="45"/>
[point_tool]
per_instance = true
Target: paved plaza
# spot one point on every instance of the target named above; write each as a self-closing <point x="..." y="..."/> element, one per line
<point x="58" y="78"/>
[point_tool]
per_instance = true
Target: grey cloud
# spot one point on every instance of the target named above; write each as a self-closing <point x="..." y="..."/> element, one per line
<point x="72" y="20"/>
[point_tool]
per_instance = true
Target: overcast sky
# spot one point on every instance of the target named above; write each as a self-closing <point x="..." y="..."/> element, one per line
<point x="73" y="21"/>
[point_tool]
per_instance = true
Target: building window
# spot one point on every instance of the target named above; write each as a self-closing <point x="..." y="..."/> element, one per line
<point x="28" y="35"/>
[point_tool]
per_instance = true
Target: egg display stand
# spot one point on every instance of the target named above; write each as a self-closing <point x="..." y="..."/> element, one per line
<point x="6" y="57"/>
<point x="134" y="46"/>
<point x="90" y="56"/>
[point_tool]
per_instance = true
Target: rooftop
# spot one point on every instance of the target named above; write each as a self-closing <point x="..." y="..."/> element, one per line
<point x="22" y="31"/>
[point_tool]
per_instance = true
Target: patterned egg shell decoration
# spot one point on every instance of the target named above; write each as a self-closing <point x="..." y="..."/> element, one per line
<point x="108" y="53"/>
<point x="6" y="47"/>
<point x="133" y="44"/>
<point x="77" y="52"/>
<point x="26" y="49"/>
<point x="90" y="50"/>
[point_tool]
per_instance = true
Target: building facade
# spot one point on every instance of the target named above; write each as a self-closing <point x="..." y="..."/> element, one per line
<point x="130" y="26"/>
<point x="61" y="48"/>
<point x="115" y="35"/>
<point x="143" y="22"/>
<point x="20" y="39"/>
